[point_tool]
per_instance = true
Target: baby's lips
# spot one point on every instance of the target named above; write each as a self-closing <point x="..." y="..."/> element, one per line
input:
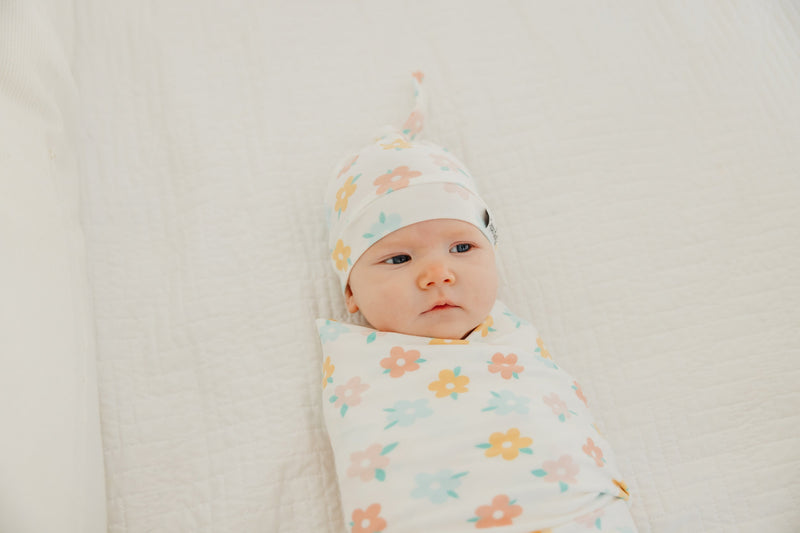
<point x="441" y="305"/>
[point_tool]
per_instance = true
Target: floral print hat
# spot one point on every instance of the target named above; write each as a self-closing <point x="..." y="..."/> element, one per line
<point x="394" y="182"/>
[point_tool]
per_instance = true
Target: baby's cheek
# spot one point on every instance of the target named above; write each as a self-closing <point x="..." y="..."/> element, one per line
<point x="380" y="314"/>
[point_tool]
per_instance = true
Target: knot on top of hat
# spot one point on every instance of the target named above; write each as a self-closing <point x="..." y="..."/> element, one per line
<point x="416" y="119"/>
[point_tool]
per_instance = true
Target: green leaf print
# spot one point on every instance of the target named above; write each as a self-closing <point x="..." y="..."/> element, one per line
<point x="388" y="448"/>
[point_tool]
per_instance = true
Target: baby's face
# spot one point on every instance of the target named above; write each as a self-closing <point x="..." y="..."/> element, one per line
<point x="435" y="278"/>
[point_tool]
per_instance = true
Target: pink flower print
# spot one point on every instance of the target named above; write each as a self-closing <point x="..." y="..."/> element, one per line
<point x="506" y="365"/>
<point x="395" y="179"/>
<point x="457" y="189"/>
<point x="413" y="124"/>
<point x="368" y="520"/>
<point x="558" y="406"/>
<point x="445" y="162"/>
<point x="418" y="75"/>
<point x="348" y="395"/>
<point x="593" y="451"/>
<point x="347" y="167"/>
<point x="400" y="361"/>
<point x="579" y="393"/>
<point x="562" y="471"/>
<point x="369" y="464"/>
<point x="591" y="520"/>
<point x="501" y="512"/>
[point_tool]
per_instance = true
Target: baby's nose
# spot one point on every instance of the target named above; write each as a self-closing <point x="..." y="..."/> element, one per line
<point x="434" y="274"/>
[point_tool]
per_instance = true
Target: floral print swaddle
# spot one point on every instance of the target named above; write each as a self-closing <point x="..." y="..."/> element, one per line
<point x="458" y="435"/>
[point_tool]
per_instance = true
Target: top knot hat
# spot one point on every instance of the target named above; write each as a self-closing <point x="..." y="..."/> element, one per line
<point x="394" y="182"/>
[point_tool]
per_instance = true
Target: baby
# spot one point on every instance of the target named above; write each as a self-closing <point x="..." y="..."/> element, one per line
<point x="448" y="414"/>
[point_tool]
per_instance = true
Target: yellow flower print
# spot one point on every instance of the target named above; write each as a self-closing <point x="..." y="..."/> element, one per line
<point x="448" y="341"/>
<point x="542" y="350"/>
<point x="624" y="493"/>
<point x="327" y="372"/>
<point x="486" y="326"/>
<point x="344" y="194"/>
<point x="508" y="444"/>
<point x="450" y="383"/>
<point x="341" y="254"/>
<point x="397" y="144"/>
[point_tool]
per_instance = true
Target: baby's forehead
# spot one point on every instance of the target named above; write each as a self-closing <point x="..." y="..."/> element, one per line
<point x="427" y="231"/>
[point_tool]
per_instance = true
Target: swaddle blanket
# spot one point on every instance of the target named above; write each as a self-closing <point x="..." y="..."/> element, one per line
<point x="453" y="435"/>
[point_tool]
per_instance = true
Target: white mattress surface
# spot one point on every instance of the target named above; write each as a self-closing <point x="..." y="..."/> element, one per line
<point x="642" y="162"/>
<point x="51" y="457"/>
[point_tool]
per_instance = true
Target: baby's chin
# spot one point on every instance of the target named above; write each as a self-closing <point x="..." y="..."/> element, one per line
<point x="453" y="324"/>
<point x="442" y="331"/>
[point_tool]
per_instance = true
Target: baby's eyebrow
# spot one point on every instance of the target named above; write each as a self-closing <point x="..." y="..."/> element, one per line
<point x="388" y="250"/>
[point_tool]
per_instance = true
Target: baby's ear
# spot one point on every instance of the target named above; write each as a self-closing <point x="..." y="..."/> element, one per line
<point x="350" y="300"/>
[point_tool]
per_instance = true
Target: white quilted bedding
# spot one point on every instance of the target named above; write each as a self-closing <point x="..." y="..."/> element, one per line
<point x="643" y="163"/>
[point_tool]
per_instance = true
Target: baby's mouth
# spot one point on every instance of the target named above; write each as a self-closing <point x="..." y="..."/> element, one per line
<point x="441" y="306"/>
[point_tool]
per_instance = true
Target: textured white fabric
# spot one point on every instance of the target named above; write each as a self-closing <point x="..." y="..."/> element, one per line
<point x="51" y="463"/>
<point x="453" y="435"/>
<point x="640" y="157"/>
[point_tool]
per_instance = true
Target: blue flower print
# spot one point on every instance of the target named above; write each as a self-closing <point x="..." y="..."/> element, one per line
<point x="331" y="331"/>
<point x="405" y="413"/>
<point x="437" y="487"/>
<point x="385" y="225"/>
<point x="506" y="402"/>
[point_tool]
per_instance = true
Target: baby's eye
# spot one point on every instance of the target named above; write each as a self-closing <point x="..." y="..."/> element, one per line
<point x="396" y="260"/>
<point x="461" y="248"/>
